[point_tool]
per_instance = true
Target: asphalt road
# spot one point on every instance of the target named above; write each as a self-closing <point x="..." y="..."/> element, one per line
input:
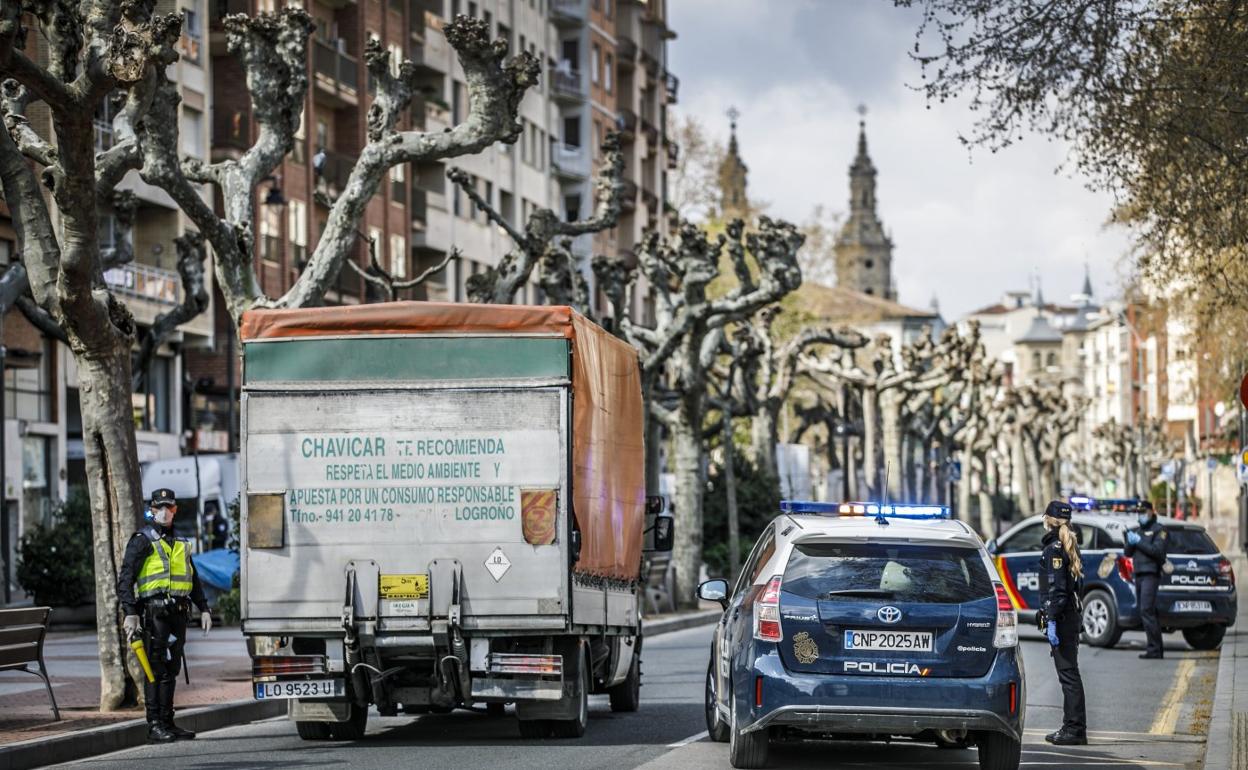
<point x="1143" y="714"/>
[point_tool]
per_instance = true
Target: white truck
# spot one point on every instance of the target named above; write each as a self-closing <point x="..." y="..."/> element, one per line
<point x="443" y="507"/>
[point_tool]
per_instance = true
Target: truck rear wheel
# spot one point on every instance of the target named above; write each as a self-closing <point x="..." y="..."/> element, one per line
<point x="626" y="696"/>
<point x="353" y="728"/>
<point x="575" y="727"/>
<point x="313" y="731"/>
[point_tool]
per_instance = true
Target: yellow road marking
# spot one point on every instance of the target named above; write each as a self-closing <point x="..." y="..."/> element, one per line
<point x="1172" y="704"/>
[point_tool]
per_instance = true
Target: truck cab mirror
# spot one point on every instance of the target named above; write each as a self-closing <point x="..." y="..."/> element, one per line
<point x="664" y="532"/>
<point x="714" y="591"/>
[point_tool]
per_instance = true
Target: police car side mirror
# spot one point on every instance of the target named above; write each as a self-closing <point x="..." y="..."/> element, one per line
<point x="991" y="546"/>
<point x="714" y="591"/>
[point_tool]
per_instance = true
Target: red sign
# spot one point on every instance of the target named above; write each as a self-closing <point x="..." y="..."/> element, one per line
<point x="1243" y="391"/>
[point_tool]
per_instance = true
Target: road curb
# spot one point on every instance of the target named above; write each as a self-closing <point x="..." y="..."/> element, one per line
<point x="679" y="623"/>
<point x="39" y="752"/>
<point x="1220" y="746"/>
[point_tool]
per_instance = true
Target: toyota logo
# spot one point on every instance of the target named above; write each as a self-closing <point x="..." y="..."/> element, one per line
<point x="888" y="614"/>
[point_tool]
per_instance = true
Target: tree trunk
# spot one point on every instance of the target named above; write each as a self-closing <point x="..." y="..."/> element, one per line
<point x="116" y="498"/>
<point x="870" y="441"/>
<point x="687" y="451"/>
<point x="764" y="435"/>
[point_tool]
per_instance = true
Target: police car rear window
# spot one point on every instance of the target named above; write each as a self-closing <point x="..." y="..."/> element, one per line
<point x="1188" y="542"/>
<point x="894" y="572"/>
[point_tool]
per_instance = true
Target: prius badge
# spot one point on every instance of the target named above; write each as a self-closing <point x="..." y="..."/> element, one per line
<point x="888" y="614"/>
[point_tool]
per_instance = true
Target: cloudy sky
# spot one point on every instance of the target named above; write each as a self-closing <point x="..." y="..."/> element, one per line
<point x="966" y="226"/>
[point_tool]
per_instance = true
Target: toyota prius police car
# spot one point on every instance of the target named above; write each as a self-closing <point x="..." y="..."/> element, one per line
<point x="866" y="621"/>
<point x="1196" y="594"/>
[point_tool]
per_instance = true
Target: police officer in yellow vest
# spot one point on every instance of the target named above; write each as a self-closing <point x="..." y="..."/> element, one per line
<point x="156" y="586"/>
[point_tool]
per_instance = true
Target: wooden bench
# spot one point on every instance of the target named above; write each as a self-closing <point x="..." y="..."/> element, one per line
<point x="21" y="644"/>
<point x="660" y="583"/>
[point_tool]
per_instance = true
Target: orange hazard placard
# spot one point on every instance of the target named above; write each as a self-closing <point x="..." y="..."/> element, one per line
<point x="538" y="512"/>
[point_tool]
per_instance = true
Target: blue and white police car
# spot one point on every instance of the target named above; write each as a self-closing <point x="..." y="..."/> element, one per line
<point x="869" y="622"/>
<point x="1196" y="594"/>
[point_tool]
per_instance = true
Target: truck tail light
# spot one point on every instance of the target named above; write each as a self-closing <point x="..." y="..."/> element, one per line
<point x="1126" y="569"/>
<point x="767" y="613"/>
<point x="1007" y="620"/>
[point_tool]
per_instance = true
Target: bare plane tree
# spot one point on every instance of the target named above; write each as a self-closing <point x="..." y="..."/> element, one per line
<point x="678" y="352"/>
<point x="545" y="241"/>
<point x="98" y="48"/>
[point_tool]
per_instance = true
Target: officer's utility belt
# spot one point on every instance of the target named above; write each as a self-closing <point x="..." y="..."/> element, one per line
<point x="164" y="606"/>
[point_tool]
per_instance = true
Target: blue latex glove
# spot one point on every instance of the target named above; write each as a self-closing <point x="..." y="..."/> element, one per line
<point x="1133" y="537"/>
<point x="1051" y="632"/>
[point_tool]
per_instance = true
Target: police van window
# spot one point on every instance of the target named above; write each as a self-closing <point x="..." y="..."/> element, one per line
<point x="1026" y="539"/>
<point x="856" y="572"/>
<point x="1181" y="541"/>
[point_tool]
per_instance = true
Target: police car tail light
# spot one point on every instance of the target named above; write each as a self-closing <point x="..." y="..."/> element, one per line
<point x="1126" y="569"/>
<point x="1007" y="620"/>
<point x="767" y="613"/>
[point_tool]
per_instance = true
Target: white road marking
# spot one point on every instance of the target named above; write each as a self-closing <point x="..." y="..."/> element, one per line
<point x="1172" y="703"/>
<point x="689" y="740"/>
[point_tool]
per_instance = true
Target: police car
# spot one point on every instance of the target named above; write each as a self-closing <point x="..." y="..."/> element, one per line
<point x="1196" y="595"/>
<point x="867" y="621"/>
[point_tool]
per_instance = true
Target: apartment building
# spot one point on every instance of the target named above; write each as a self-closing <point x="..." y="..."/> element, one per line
<point x="43" y="447"/>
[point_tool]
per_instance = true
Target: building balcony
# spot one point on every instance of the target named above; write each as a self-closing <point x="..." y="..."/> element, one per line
<point x="337" y="75"/>
<point x="673" y="87"/>
<point x="571" y="162"/>
<point x="332" y="179"/>
<point x="568" y="13"/>
<point x="567" y="85"/>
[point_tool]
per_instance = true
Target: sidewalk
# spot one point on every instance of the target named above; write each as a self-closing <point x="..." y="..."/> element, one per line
<point x="220" y="672"/>
<point x="1227" y="747"/>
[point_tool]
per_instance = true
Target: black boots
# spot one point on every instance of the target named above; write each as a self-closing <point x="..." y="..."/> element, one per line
<point x="1066" y="737"/>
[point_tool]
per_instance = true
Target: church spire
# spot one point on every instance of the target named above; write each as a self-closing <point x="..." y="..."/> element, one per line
<point x="864" y="252"/>
<point x="732" y="175"/>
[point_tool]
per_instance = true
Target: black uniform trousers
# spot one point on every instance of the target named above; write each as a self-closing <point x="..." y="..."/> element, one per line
<point x="1146" y="593"/>
<point x="164" y="638"/>
<point x="1066" y="659"/>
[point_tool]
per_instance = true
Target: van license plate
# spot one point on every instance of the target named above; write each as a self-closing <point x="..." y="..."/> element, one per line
<point x="315" y="688"/>
<point x="1190" y="606"/>
<point x="916" y="641"/>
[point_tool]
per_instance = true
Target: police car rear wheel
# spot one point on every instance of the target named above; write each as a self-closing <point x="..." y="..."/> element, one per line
<point x="998" y="751"/>
<point x="1100" y="620"/>
<point x="1205" y="637"/>
<point x="715" y="726"/>
<point x="747" y="750"/>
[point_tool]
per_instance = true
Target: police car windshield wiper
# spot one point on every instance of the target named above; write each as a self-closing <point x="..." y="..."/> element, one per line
<point x="861" y="592"/>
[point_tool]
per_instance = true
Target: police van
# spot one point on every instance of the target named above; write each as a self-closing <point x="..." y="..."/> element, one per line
<point x="1196" y="595"/>
<point x="866" y="621"/>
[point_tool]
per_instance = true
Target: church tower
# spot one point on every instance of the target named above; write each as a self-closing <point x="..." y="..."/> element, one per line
<point x="732" y="171"/>
<point x="864" y="254"/>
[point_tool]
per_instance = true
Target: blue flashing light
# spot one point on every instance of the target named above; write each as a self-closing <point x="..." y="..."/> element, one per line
<point x="878" y="510"/>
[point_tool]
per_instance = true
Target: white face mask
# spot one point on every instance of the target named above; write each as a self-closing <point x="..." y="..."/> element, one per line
<point x="163" y="516"/>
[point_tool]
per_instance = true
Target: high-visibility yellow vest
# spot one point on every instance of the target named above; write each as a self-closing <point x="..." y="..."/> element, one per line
<point x="167" y="569"/>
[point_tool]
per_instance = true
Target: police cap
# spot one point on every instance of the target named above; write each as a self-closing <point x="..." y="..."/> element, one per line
<point x="163" y="498"/>
<point x="1058" y="510"/>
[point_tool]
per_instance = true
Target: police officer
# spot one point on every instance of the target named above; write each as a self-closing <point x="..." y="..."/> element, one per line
<point x="1146" y="545"/>
<point x="1061" y="570"/>
<point x="157" y="584"/>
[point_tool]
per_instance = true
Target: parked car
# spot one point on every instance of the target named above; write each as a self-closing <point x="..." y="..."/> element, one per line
<point x="1196" y="596"/>
<point x="866" y="621"/>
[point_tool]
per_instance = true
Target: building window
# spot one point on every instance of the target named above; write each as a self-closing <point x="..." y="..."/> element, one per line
<point x="595" y="57"/>
<point x="297" y="232"/>
<point x="398" y="256"/>
<point x="607" y="73"/>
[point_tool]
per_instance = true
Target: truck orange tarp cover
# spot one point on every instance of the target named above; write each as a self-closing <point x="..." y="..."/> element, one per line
<point x="608" y="454"/>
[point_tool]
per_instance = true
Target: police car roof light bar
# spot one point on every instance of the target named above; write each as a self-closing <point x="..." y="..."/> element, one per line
<point x="884" y="511"/>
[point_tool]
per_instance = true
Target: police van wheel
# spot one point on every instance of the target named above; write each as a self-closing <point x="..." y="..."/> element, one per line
<point x="1206" y="637"/>
<point x="716" y="728"/>
<point x="747" y="750"/>
<point x="313" y="731"/>
<point x="998" y="751"/>
<point x="1100" y="620"/>
<point x="352" y="729"/>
